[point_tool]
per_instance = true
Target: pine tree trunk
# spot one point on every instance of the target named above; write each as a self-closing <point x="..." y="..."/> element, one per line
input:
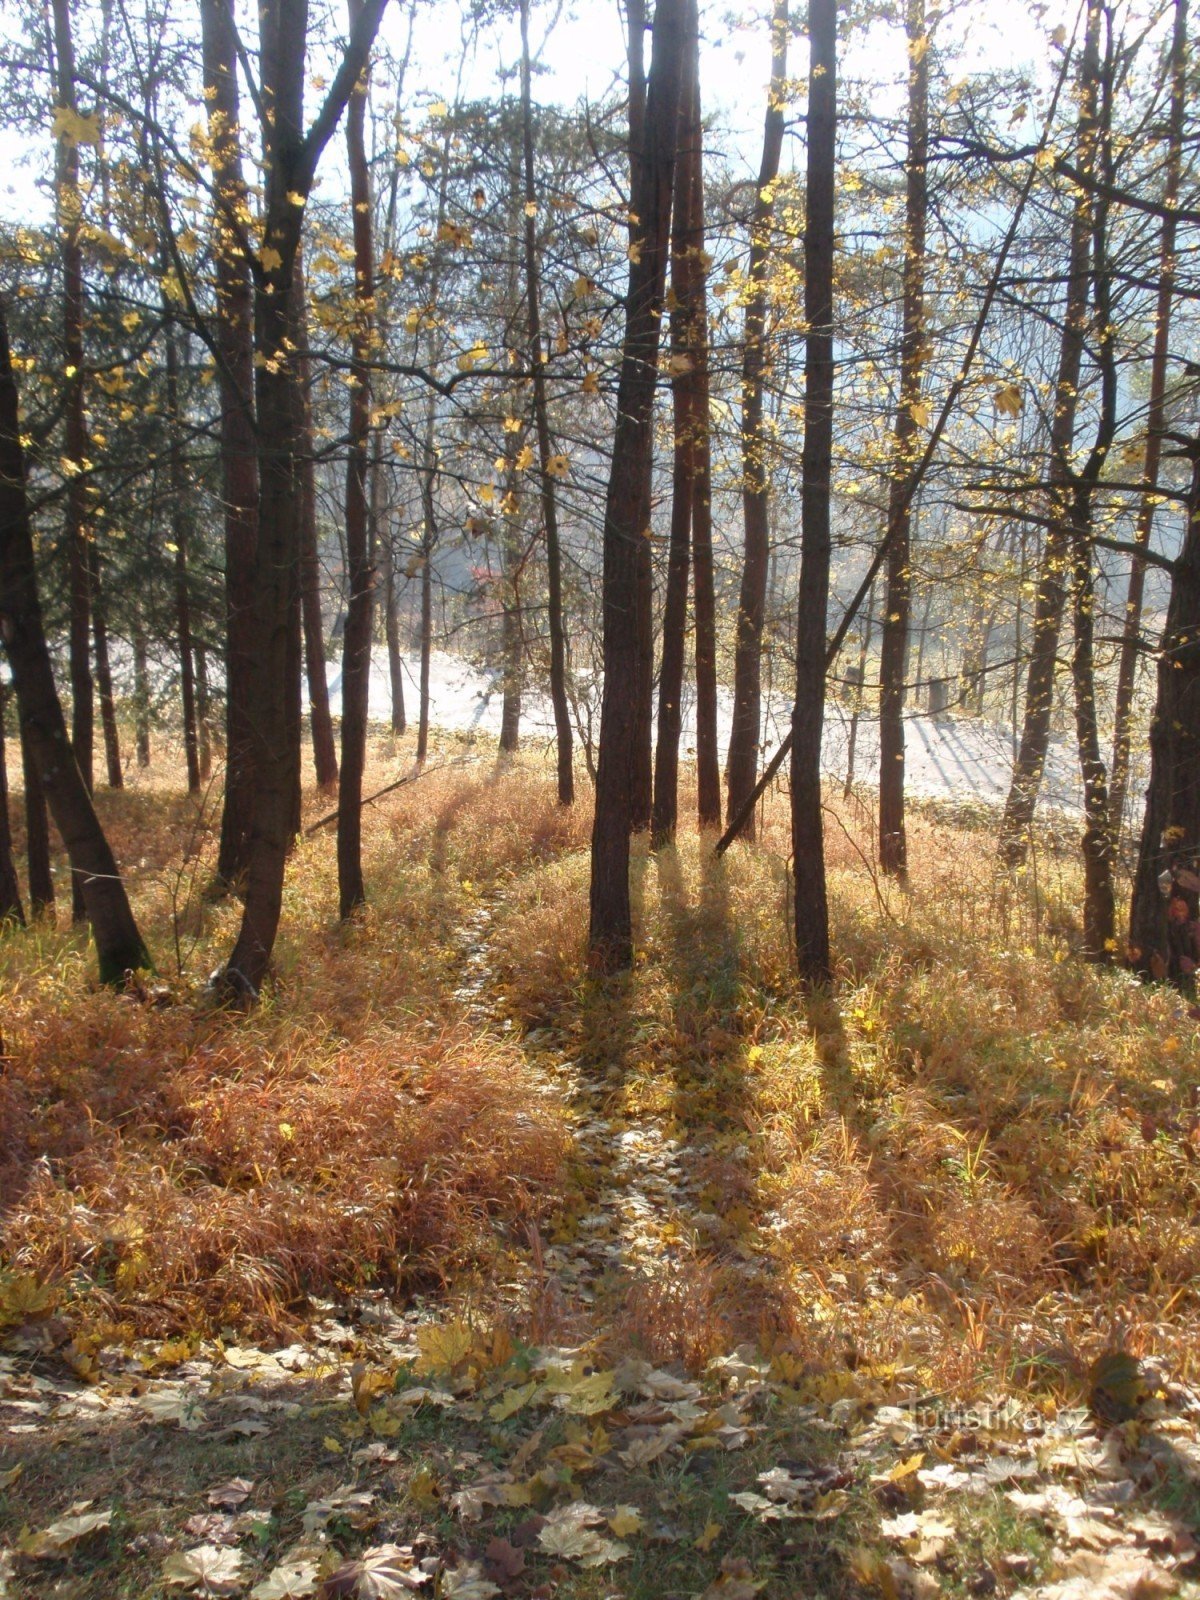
<point x="893" y="659"/>
<point x="811" y="906"/>
<point x="541" y="419"/>
<point x="234" y="332"/>
<point x="1155" y="414"/>
<point x="1056" y="550"/>
<point x="641" y="768"/>
<point x="428" y="542"/>
<point x="745" y="734"/>
<point x="119" y="946"/>
<point x="627" y="507"/>
<point x="356" y="641"/>
<point x="11" y="909"/>
<point x="179" y="537"/>
<point x="391" y="628"/>
<point x="325" y="761"/>
<point x="204" y="713"/>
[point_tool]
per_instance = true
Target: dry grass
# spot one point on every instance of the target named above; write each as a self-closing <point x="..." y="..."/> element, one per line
<point x="973" y="1149"/>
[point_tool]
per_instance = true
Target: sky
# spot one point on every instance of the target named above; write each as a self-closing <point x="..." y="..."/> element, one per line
<point x="582" y="51"/>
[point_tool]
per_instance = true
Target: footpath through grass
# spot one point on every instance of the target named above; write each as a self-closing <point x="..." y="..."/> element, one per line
<point x="456" y="1272"/>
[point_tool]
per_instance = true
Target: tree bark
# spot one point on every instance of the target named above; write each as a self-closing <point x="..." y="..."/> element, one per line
<point x="37" y="835"/>
<point x="325" y="761"/>
<point x="119" y="946"/>
<point x="1056" y="551"/>
<point x="893" y="659"/>
<point x="179" y="536"/>
<point x="808" y="855"/>
<point x="75" y="531"/>
<point x="627" y="507"/>
<point x="541" y="421"/>
<point x="1155" y="415"/>
<point x="234" y="332"/>
<point x="429" y="533"/>
<point x="204" y="713"/>
<point x="741" y="766"/>
<point x="1171" y="827"/>
<point x="141" y="696"/>
<point x="360" y="553"/>
<point x="290" y="162"/>
<point x="11" y="909"/>
<point x="391" y="628"/>
<point x="104" y="680"/>
<point x="708" y="761"/>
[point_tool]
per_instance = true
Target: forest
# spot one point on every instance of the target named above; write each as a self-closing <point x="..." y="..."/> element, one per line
<point x="599" y="799"/>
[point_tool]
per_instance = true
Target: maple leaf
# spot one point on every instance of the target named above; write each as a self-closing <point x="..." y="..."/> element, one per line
<point x="467" y="1582"/>
<point x="208" y="1570"/>
<point x="229" y="1496"/>
<point x="512" y="1401"/>
<point x="73" y="128"/>
<point x="290" y="1580"/>
<point x="626" y="1520"/>
<point x="580" y="1544"/>
<point x="557" y="466"/>
<point x="270" y="258"/>
<point x="1008" y="400"/>
<point x="66" y="1531"/>
<point x="382" y="1573"/>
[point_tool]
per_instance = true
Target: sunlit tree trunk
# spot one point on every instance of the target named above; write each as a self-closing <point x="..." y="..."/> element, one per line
<point x="104" y="678"/>
<point x="204" y="713"/>
<point x="541" y="419"/>
<point x="627" y="509"/>
<point x="141" y="696"/>
<point x="429" y="532"/>
<point x="1056" y="551"/>
<point x="741" y="767"/>
<point x="893" y="659"/>
<point x="11" y="909"/>
<point x="37" y="835"/>
<point x="808" y="714"/>
<point x="325" y="761"/>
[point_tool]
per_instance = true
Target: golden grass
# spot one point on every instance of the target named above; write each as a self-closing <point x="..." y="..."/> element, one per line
<point x="973" y="1149"/>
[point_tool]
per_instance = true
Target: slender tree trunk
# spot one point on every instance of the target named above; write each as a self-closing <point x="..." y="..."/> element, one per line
<point x="683" y="478"/>
<point x="75" y="532"/>
<point x="1155" y="415"/>
<point x="708" y="761"/>
<point x="37" y="835"/>
<point x="234" y="332"/>
<point x="859" y="691"/>
<point x="204" y="713"/>
<point x="356" y="641"/>
<point x="179" y="536"/>
<point x="893" y="659"/>
<point x="141" y="696"/>
<point x="325" y="761"/>
<point x="104" y="680"/>
<point x="391" y="628"/>
<point x="741" y="767"/>
<point x="1171" y="827"/>
<point x="119" y="946"/>
<point x="291" y="159"/>
<point x="11" y="909"/>
<point x="1056" y="551"/>
<point x="428" y="542"/>
<point x="627" y="503"/>
<point x="811" y="908"/>
<point x="541" y="420"/>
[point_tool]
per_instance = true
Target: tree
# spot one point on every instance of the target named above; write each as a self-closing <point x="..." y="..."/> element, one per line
<point x="290" y="154"/>
<point x="627" y="509"/>
<point x="893" y="850"/>
<point x="808" y="853"/>
<point x="11" y="909"/>
<point x="541" y="419"/>
<point x="119" y="946"/>
<point x="746" y="728"/>
<point x="360" y="604"/>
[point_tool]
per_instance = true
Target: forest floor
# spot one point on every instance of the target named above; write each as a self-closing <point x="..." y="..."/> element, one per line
<point x="453" y="1271"/>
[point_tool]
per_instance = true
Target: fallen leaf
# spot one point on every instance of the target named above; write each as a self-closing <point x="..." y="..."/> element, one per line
<point x="290" y="1580"/>
<point x="229" y="1496"/>
<point x="382" y="1573"/>
<point x="61" y="1535"/>
<point x="208" y="1570"/>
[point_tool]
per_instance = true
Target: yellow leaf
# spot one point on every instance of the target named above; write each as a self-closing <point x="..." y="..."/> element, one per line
<point x="512" y="1401"/>
<point x="442" y="1347"/>
<point x="919" y="411"/>
<point x="558" y="466"/>
<point x="270" y="258"/>
<point x="524" y="459"/>
<point x="712" y="1532"/>
<point x="591" y="383"/>
<point x="626" y="1520"/>
<point x="1008" y="400"/>
<point x="73" y="128"/>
